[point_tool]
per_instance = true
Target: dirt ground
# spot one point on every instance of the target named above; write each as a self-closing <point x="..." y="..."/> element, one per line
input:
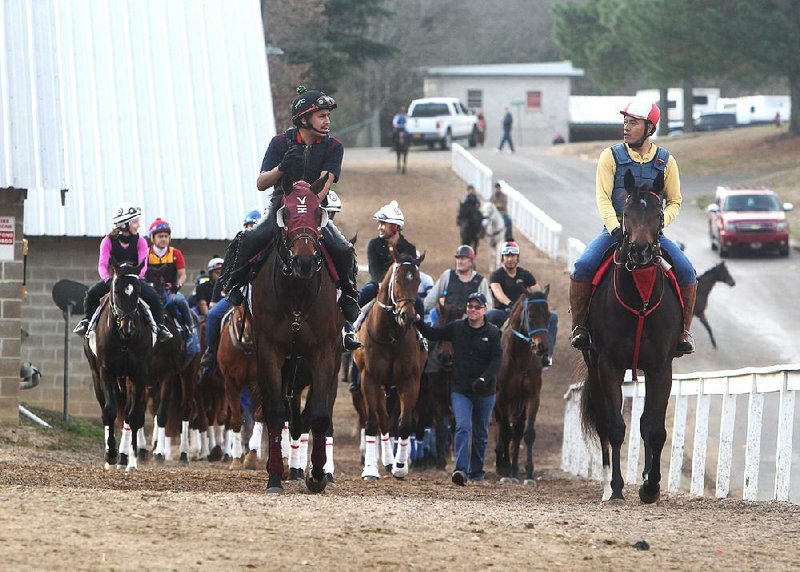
<point x="60" y="510"/>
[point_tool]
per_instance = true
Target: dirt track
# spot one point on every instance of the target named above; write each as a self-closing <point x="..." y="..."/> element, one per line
<point x="61" y="510"/>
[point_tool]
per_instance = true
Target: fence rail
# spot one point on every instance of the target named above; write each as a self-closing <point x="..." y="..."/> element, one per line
<point x="582" y="459"/>
<point x="472" y="171"/>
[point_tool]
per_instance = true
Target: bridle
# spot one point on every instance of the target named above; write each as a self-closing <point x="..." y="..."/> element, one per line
<point x="121" y="316"/>
<point x="624" y="255"/>
<point x="289" y="238"/>
<point x="395" y="304"/>
<point x="528" y="331"/>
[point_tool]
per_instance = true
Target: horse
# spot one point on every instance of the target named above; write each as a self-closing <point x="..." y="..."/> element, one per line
<point x="494" y="229"/>
<point x="526" y="342"/>
<point x="469" y="221"/>
<point x="173" y="372"/>
<point x="296" y="329"/>
<point x="705" y="282"/>
<point x="119" y="352"/>
<point x="635" y="319"/>
<point x="390" y="356"/>
<point x="401" y="144"/>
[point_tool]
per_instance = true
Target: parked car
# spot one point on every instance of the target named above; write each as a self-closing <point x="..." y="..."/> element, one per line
<point x="750" y="219"/>
<point x="441" y="120"/>
<point x="715" y="121"/>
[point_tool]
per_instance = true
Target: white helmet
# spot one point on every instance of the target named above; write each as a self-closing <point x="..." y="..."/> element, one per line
<point x="509" y="248"/>
<point x="390" y="213"/>
<point x="334" y="203"/>
<point x="125" y="213"/>
<point x="215" y="264"/>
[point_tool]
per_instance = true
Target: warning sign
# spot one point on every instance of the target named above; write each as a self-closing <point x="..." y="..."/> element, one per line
<point x="7" y="237"/>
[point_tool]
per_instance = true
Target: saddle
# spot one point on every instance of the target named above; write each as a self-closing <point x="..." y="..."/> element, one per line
<point x="644" y="278"/>
<point x="237" y="331"/>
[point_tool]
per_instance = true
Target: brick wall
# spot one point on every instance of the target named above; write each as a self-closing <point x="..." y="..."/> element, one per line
<point x="51" y="259"/>
<point x="10" y="307"/>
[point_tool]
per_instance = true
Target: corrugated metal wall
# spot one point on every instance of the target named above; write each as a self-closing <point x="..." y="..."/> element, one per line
<point x="164" y="104"/>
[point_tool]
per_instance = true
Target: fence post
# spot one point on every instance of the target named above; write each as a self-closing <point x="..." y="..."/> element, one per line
<point x="783" y="456"/>
<point x="725" y="458"/>
<point x="635" y="438"/>
<point x="678" y="439"/>
<point x="752" y="456"/>
<point x="700" y="443"/>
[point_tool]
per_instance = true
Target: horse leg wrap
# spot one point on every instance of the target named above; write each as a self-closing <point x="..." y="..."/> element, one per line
<point x="400" y="468"/>
<point x="370" y="458"/>
<point x="255" y="438"/>
<point x="303" y="452"/>
<point x="387" y="455"/>
<point x="204" y="444"/>
<point x="363" y="443"/>
<point x="329" y="456"/>
<point x="212" y="438"/>
<point x="294" y="454"/>
<point x="160" y="440"/>
<point x="125" y="440"/>
<point x="228" y="442"/>
<point x="219" y="435"/>
<point x="236" y="445"/>
<point x="286" y="440"/>
<point x="141" y="439"/>
<point x="167" y="448"/>
<point x="275" y="462"/>
<point x="185" y="437"/>
<point x="197" y="444"/>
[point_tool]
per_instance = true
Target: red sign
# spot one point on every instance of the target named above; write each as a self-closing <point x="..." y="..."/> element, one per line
<point x="534" y="99"/>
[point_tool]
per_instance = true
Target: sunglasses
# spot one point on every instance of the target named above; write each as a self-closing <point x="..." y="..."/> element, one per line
<point x="326" y="100"/>
<point x="474" y="307"/>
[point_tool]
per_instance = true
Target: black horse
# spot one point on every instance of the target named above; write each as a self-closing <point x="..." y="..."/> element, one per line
<point x="401" y="144"/>
<point x="119" y="353"/>
<point x="705" y="282"/>
<point x="470" y="223"/>
<point x="635" y="320"/>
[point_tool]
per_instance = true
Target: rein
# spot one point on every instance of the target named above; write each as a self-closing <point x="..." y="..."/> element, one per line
<point x="393" y="307"/>
<point x="528" y="337"/>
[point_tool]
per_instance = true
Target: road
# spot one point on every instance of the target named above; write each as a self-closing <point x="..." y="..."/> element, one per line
<point x="756" y="323"/>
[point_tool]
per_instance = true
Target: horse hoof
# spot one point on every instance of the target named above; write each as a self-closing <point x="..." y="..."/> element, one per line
<point x="275" y="490"/>
<point x="159" y="458"/>
<point x="388" y="468"/>
<point x="648" y="498"/>
<point x="400" y="471"/>
<point x="250" y="461"/>
<point x="329" y="478"/>
<point x="143" y="455"/>
<point x="274" y="486"/>
<point x="215" y="454"/>
<point x="226" y="458"/>
<point x="369" y="479"/>
<point x="620" y="501"/>
<point x="111" y="458"/>
<point x="236" y="465"/>
<point x="131" y="469"/>
<point x="108" y="466"/>
<point x="315" y="485"/>
<point x="506" y="481"/>
<point x="184" y="459"/>
<point x="296" y="475"/>
<point x="529" y="482"/>
<point x="122" y="462"/>
<point x="370" y="473"/>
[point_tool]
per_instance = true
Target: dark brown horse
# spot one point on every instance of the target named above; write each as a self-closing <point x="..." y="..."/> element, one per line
<point x="635" y="318"/>
<point x="390" y="356"/>
<point x="296" y="327"/>
<point x="401" y="144"/>
<point x="525" y="342"/>
<point x="470" y="223"/>
<point x="173" y="374"/>
<point x="119" y="352"/>
<point x="237" y="364"/>
<point x="705" y="282"/>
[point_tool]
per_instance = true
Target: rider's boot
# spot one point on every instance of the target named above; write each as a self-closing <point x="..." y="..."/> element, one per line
<point x="344" y="258"/>
<point x="82" y="327"/>
<point x="349" y="340"/>
<point x="686" y="343"/>
<point x="580" y="292"/>
<point x="90" y="305"/>
<point x="207" y="363"/>
<point x="246" y="244"/>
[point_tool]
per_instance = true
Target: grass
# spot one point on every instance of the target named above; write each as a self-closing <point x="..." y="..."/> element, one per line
<point x="74" y="435"/>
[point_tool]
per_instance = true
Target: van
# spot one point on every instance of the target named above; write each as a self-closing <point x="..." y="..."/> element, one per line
<point x="715" y="121"/>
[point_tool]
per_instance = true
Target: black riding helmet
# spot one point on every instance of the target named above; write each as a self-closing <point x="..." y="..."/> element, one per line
<point x="309" y="101"/>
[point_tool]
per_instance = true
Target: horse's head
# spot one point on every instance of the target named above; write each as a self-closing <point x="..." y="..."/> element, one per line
<point x="529" y="318"/>
<point x="125" y="289"/>
<point x="301" y="219"/>
<point x="447" y="313"/>
<point x="642" y="221"/>
<point x="722" y="274"/>
<point x="401" y="284"/>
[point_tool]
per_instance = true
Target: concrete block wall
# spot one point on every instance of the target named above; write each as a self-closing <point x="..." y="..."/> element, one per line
<point x="51" y="259"/>
<point x="10" y="311"/>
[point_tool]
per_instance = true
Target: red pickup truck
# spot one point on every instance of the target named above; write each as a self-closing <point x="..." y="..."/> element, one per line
<point x="750" y="219"/>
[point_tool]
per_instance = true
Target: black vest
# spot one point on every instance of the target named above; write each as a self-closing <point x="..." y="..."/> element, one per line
<point x="315" y="158"/>
<point x="129" y="255"/>
<point x="457" y="291"/>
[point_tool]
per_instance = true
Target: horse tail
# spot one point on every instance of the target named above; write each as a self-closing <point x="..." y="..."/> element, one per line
<point x="593" y="413"/>
<point x="173" y="408"/>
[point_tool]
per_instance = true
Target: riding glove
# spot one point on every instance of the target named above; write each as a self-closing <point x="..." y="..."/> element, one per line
<point x="292" y="164"/>
<point x="617" y="233"/>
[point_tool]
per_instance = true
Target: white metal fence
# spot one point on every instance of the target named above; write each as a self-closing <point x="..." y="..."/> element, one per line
<point x="529" y="219"/>
<point x="582" y="459"/>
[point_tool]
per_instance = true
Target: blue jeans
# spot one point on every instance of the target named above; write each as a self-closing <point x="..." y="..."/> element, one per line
<point x="179" y="301"/>
<point x="498" y="317"/>
<point x="472" y="418"/>
<point x="213" y="324"/>
<point x="588" y="262"/>
<point x="506" y="139"/>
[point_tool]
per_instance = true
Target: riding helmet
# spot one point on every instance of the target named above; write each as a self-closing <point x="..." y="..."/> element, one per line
<point x="334" y="203"/>
<point x="465" y="250"/>
<point x="390" y="213"/>
<point x="125" y="213"/>
<point x="215" y="264"/>
<point x="159" y="225"/>
<point x="308" y="101"/>
<point x="252" y="217"/>
<point x="509" y="248"/>
<point x="643" y="108"/>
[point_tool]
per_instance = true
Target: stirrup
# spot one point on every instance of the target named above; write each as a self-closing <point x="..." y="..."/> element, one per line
<point x="580" y="339"/>
<point x="685" y="347"/>
<point x="349" y="341"/>
<point x="162" y="333"/>
<point x="82" y="327"/>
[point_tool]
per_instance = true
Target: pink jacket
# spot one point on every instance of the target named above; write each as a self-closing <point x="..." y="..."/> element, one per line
<point x="105" y="257"/>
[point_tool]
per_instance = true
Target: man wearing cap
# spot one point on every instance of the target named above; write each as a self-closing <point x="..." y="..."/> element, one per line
<point x="477" y="355"/>
<point x="507" y="284"/>
<point x="645" y="161"/>
<point x="456" y="284"/>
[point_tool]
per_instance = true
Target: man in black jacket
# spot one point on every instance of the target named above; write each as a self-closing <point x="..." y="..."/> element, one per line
<point x="477" y="354"/>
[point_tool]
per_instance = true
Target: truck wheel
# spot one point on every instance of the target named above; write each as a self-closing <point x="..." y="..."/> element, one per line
<point x="447" y="142"/>
<point x="430" y="145"/>
<point x="723" y="251"/>
<point x="784" y="251"/>
<point x="473" y="138"/>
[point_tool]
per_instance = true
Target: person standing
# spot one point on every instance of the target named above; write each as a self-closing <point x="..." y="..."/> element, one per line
<point x="455" y="285"/>
<point x="508" y="283"/>
<point x="477" y="355"/>
<point x="645" y="161"/>
<point x="508" y="120"/>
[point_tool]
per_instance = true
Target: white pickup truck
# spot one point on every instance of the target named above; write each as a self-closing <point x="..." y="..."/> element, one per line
<point x="440" y="120"/>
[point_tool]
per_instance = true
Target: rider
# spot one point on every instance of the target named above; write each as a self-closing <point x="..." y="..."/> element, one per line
<point x="455" y="285"/>
<point x="304" y="152"/>
<point x="645" y="160"/>
<point x="507" y="284"/>
<point x="399" y="122"/>
<point x="170" y="262"/>
<point x="500" y="201"/>
<point x="123" y="244"/>
<point x="205" y="293"/>
<point x="251" y="219"/>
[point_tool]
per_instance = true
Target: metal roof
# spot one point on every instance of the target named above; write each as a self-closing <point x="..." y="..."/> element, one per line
<point x="163" y="104"/>
<point x="553" y="69"/>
